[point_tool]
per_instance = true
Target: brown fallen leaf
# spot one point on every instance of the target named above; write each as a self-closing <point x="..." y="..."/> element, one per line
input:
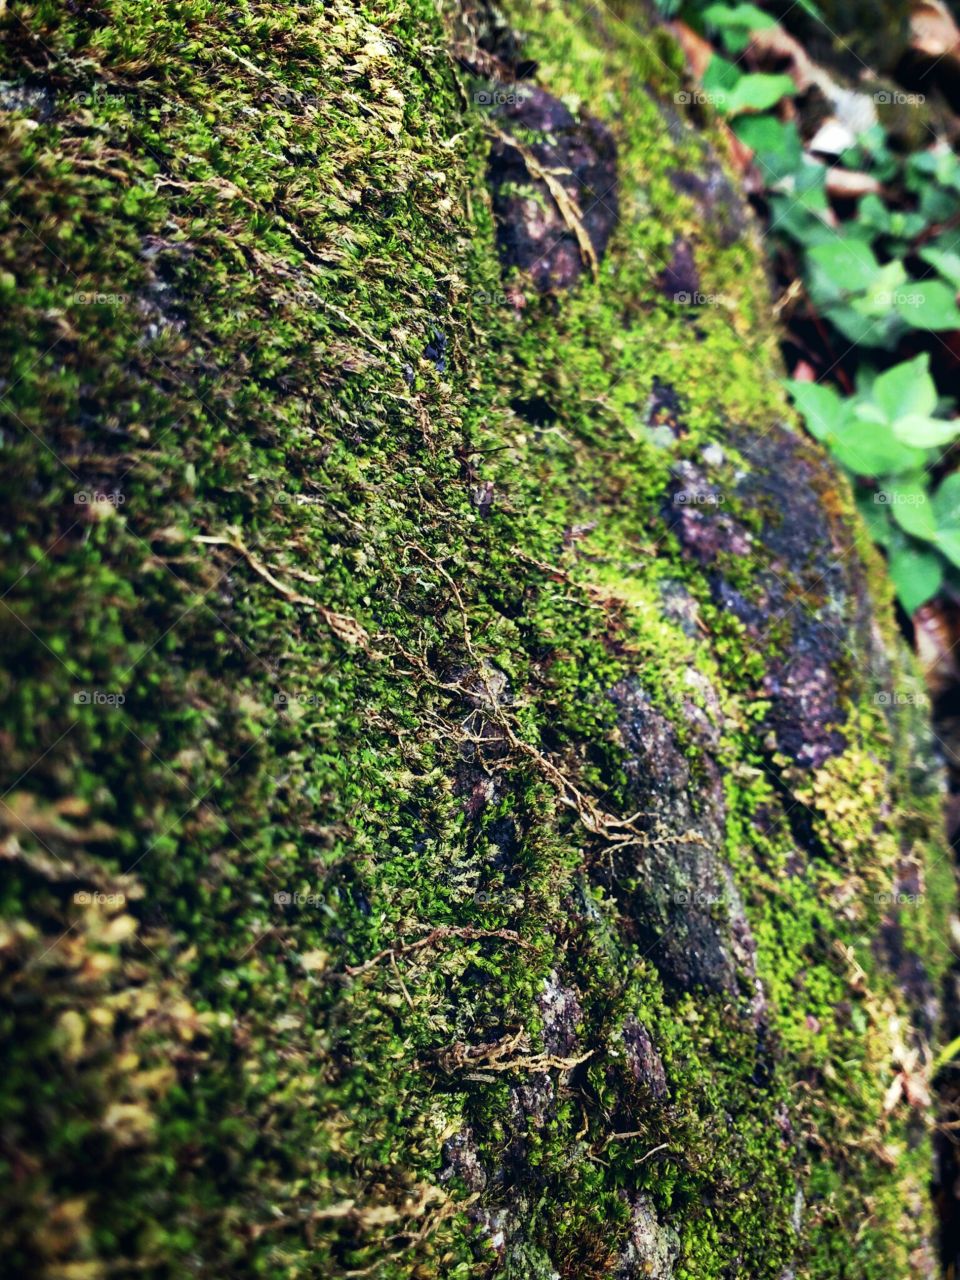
<point x="933" y="30"/>
<point x="804" y="372"/>
<point x="850" y="184"/>
<point x="697" y="51"/>
<point x="740" y="155"/>
<point x="776" y="44"/>
<point x="937" y="630"/>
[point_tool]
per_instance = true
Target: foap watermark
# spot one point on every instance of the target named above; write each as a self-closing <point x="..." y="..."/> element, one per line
<point x="896" y="98"/>
<point x="894" y="899"/>
<point x="899" y="698"/>
<point x="695" y="898"/>
<point x="888" y="499"/>
<point x="899" y="298"/>
<point x="100" y="96"/>
<point x="697" y="498"/>
<point x="498" y="98"/>
<point x="506" y="899"/>
<point x="290" y="898"/>
<point x="490" y="298"/>
<point x="96" y="497"/>
<point x="295" y="298"/>
<point x="98" y="698"/>
<point x="93" y="898"/>
<point x="695" y="298"/>
<point x="99" y="298"/>
<point x="286" y="499"/>
<point x="699" y="98"/>
<point x="284" y="698"/>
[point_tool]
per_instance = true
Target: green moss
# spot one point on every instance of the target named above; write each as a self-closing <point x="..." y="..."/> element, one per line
<point x="275" y="209"/>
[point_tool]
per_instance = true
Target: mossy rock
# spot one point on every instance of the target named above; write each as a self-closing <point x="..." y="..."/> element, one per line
<point x="466" y="809"/>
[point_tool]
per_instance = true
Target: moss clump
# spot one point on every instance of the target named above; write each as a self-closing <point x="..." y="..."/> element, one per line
<point x="322" y="556"/>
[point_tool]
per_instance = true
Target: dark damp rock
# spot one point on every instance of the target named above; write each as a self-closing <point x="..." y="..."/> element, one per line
<point x="531" y="231"/>
<point x="643" y="1058"/>
<point x="476" y="787"/>
<point x="702" y="710"/>
<point x="806" y="702"/>
<point x="687" y="909"/>
<point x="890" y="947"/>
<point x="784" y="1123"/>
<point x="561" y="1012"/>
<point x="651" y="1250"/>
<point x="679" y="281"/>
<point x="532" y="1102"/>
<point x="717" y="201"/>
<point x="159" y="304"/>
<point x="655" y="764"/>
<point x="696" y="512"/>
<point x="743" y="945"/>
<point x="156" y="307"/>
<point x="664" y="409"/>
<point x="679" y="606"/>
<point x="496" y="1225"/>
<point x="436" y="350"/>
<point x="33" y="100"/>
<point x="461" y="1160"/>
<point x="680" y="910"/>
<point x="480" y="690"/>
<point x="807" y="597"/>
<point x="485" y="687"/>
<point x="504" y="837"/>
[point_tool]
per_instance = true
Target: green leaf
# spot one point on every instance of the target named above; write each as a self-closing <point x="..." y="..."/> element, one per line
<point x="947" y="262"/>
<point x="938" y="162"/>
<point x="948" y="541"/>
<point x="907" y="225"/>
<point x="737" y="15"/>
<point x="866" y="445"/>
<point x="907" y="388"/>
<point x="756" y="92"/>
<point x="822" y="409"/>
<point x="876" y="516"/>
<point x="948" y="170"/>
<point x="841" y="268"/>
<point x="917" y="575"/>
<point x="882" y="291"/>
<point x="736" y="23"/>
<point x="937" y="205"/>
<point x="874" y="213"/>
<point x="776" y="145"/>
<point x="721" y="75"/>
<point x="910" y="505"/>
<point x="858" y="434"/>
<point x="872" y="331"/>
<point x="946" y="502"/>
<point x="925" y="433"/>
<point x="929" y="304"/>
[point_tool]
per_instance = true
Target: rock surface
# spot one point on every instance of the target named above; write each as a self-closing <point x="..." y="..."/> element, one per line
<point x="464" y="809"/>
<point x="550" y="171"/>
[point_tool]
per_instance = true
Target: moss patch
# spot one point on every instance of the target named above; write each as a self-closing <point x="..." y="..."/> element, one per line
<point x="321" y="556"/>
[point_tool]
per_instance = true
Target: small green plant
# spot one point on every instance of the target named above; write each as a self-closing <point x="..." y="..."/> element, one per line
<point x="888" y="436"/>
<point x="885" y="277"/>
<point x="735" y="91"/>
